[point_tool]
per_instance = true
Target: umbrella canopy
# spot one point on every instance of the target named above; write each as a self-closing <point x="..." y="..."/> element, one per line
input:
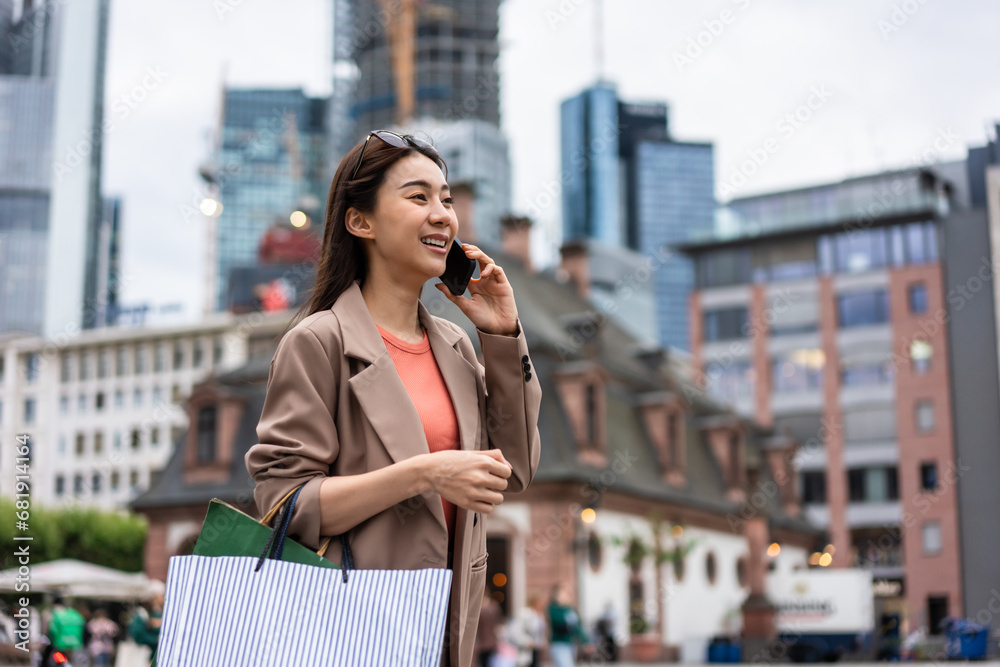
<point x="76" y="578"/>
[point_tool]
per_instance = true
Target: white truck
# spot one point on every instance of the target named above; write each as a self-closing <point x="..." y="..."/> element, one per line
<point x="823" y="614"/>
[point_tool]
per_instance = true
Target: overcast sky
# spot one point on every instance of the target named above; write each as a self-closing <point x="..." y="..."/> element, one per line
<point x="869" y="84"/>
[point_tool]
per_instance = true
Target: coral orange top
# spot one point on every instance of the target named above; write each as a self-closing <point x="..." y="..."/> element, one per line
<point x="422" y="378"/>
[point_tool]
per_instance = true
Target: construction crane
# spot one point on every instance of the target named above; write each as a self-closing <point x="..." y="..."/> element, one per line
<point x="402" y="32"/>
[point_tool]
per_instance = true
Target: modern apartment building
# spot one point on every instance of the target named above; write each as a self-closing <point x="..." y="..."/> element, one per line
<point x="830" y="316"/>
<point x="103" y="411"/>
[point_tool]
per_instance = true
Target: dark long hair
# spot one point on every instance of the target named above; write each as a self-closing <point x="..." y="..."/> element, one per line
<point x="342" y="258"/>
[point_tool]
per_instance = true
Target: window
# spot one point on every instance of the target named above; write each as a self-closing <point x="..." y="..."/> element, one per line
<point x="928" y="476"/>
<point x="81" y="403"/>
<point x="814" y="487"/>
<point x="133" y="478"/>
<point x="64" y="405"/>
<point x="119" y="399"/>
<point x="865" y="372"/>
<point x="856" y="485"/>
<point x="920" y="356"/>
<point x="724" y="267"/>
<point x="139" y="360"/>
<point x="121" y="361"/>
<point x="595" y="553"/>
<point x="99" y="442"/>
<point x="937" y="611"/>
<point x="99" y="401"/>
<point x="917" y="297"/>
<point x="118" y="441"/>
<point x="157" y="396"/>
<point x="216" y="351"/>
<point x="135" y="438"/>
<point x="84" y="365"/>
<point x="160" y="358"/>
<point x="154" y="436"/>
<point x="725" y="324"/>
<point x="78" y="485"/>
<point x="31" y="366"/>
<point x="861" y="250"/>
<point x="197" y="354"/>
<point x="931" y="534"/>
<point x="735" y="460"/>
<point x="62" y="445"/>
<point x="873" y="485"/>
<point x="206" y="434"/>
<point x="673" y="439"/>
<point x="60" y="485"/>
<point x="741" y="571"/>
<point x="924" y="413"/>
<point x="862" y="308"/>
<point x="798" y="370"/>
<point x="175" y="393"/>
<point x="730" y="381"/>
<point x="80" y="444"/>
<point x="65" y="368"/>
<point x="178" y="355"/>
<point x="95" y="483"/>
<point x="136" y="398"/>
<point x="29" y="411"/>
<point x="103" y="363"/>
<point x="788" y="260"/>
<point x="116" y="480"/>
<point x="710" y="567"/>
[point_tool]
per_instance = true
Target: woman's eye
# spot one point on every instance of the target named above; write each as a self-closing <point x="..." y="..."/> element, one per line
<point x="419" y="195"/>
<point x="449" y="200"/>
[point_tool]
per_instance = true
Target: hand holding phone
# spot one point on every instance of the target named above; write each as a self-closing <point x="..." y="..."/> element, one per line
<point x="458" y="269"/>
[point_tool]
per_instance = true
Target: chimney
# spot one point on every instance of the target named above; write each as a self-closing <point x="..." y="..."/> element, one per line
<point x="515" y="239"/>
<point x="574" y="266"/>
<point x="464" y="194"/>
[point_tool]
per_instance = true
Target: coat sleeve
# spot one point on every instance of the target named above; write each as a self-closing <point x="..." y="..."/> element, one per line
<point x="512" y="404"/>
<point x="297" y="438"/>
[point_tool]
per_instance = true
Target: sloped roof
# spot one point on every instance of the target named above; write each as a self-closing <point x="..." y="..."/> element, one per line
<point x="542" y="301"/>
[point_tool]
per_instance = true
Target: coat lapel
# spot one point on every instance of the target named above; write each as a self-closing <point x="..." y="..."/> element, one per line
<point x="381" y="392"/>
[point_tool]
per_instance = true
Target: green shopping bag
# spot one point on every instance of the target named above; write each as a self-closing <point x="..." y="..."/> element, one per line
<point x="227" y="531"/>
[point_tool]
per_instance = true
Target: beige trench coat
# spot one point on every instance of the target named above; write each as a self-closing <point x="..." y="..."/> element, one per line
<point x="335" y="405"/>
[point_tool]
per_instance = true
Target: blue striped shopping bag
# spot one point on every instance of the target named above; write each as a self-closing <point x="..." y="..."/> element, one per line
<point x="263" y="611"/>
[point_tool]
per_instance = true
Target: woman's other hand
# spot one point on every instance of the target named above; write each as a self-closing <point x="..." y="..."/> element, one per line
<point x="469" y="479"/>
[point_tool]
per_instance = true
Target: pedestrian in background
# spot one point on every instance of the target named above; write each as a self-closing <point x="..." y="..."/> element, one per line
<point x="490" y="618"/>
<point x="566" y="628"/>
<point x="529" y="630"/>
<point x="103" y="632"/>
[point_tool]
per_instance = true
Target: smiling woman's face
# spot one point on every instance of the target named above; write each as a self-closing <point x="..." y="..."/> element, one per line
<point x="412" y="203"/>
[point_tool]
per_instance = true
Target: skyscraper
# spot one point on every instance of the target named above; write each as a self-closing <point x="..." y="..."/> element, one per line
<point x="446" y="89"/>
<point x="51" y="112"/>
<point x="270" y="162"/>
<point x="627" y="183"/>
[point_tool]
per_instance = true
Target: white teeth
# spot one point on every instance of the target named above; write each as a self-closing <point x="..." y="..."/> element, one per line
<point x="437" y="242"/>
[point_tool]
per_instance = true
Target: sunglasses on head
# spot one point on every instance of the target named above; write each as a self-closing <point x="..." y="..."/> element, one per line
<point x="392" y="139"/>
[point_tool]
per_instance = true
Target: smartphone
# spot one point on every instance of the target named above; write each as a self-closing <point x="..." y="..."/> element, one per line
<point x="458" y="269"/>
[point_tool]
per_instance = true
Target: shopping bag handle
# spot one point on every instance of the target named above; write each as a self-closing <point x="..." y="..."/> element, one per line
<point x="276" y="542"/>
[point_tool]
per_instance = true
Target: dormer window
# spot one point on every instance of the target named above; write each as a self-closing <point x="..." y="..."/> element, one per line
<point x="727" y="439"/>
<point x="206" y="434"/>
<point x="213" y="415"/>
<point x="663" y="414"/>
<point x="581" y="387"/>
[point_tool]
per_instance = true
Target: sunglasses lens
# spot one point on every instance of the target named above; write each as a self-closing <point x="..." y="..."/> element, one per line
<point x="391" y="138"/>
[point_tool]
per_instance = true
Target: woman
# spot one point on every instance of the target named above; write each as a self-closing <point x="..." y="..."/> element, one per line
<point x="103" y="632"/>
<point x="402" y="439"/>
